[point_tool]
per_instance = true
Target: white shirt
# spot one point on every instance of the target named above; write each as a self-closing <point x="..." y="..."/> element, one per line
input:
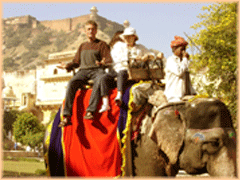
<point x="120" y="54"/>
<point x="175" y="78"/>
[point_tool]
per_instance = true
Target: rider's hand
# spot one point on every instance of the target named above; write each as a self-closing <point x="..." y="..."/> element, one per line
<point x="185" y="54"/>
<point x="98" y="63"/>
<point x="62" y="65"/>
<point x="102" y="62"/>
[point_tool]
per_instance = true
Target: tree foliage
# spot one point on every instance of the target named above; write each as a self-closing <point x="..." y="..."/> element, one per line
<point x="217" y="40"/>
<point x="9" y="117"/>
<point x="28" y="130"/>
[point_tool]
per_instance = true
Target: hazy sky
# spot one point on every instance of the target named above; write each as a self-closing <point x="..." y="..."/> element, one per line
<point x="156" y="23"/>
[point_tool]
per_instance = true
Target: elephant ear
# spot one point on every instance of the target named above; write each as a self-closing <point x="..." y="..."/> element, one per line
<point x="168" y="132"/>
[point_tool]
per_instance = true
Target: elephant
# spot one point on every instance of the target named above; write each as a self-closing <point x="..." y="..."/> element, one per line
<point x="196" y="136"/>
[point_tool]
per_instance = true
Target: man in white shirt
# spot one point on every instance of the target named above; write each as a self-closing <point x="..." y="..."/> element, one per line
<point x="177" y="83"/>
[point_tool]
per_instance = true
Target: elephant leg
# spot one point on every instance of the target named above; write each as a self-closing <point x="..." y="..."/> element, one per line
<point x="170" y="169"/>
<point x="148" y="159"/>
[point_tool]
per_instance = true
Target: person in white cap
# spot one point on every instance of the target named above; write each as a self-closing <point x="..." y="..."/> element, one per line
<point x="121" y="53"/>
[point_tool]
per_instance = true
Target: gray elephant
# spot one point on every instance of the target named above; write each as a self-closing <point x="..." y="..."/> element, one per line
<point x="196" y="136"/>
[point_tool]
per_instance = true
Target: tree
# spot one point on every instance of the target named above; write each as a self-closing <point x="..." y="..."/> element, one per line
<point x="217" y="40"/>
<point x="28" y="130"/>
<point x="9" y="117"/>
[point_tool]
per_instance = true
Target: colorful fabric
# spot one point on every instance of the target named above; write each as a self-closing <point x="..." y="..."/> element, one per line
<point x="98" y="148"/>
<point x="179" y="41"/>
<point x="54" y="154"/>
<point x="86" y="148"/>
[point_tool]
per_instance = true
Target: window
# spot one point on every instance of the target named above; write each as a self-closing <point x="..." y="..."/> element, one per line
<point x="55" y="71"/>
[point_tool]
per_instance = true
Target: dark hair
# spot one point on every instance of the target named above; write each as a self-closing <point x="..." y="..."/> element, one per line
<point x="175" y="47"/>
<point x="115" y="38"/>
<point x="91" y="22"/>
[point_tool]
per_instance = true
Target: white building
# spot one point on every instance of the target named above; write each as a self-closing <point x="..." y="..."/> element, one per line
<point x="39" y="91"/>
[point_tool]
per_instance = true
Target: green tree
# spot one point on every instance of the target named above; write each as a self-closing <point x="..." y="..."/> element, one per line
<point x="217" y="40"/>
<point x="9" y="117"/>
<point x="28" y="130"/>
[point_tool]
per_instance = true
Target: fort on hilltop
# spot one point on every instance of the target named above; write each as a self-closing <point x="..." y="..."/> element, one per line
<point x="68" y="24"/>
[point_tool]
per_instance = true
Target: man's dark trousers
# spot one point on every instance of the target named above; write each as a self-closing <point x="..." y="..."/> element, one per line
<point x="78" y="81"/>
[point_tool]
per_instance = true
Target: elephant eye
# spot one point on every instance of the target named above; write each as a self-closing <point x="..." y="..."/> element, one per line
<point x="212" y="146"/>
<point x="215" y="143"/>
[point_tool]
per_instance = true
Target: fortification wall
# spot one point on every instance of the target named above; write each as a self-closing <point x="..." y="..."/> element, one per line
<point x="80" y="19"/>
<point x="64" y="24"/>
<point x="68" y="24"/>
<point x="27" y="21"/>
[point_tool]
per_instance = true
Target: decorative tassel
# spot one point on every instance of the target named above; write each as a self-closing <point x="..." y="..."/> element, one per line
<point x="177" y="114"/>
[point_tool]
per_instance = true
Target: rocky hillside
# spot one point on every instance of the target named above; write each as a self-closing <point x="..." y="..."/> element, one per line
<point x="26" y="47"/>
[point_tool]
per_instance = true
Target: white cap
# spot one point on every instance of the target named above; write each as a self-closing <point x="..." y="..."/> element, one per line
<point x="129" y="31"/>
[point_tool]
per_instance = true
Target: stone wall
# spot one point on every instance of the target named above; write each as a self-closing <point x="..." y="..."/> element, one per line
<point x="61" y="24"/>
<point x="21" y="154"/>
<point x="80" y="19"/>
<point x="27" y="21"/>
<point x="68" y="24"/>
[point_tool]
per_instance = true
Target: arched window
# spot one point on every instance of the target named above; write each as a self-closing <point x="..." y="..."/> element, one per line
<point x="55" y="71"/>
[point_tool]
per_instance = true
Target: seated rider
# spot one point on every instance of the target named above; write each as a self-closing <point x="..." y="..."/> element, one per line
<point x="177" y="77"/>
<point x="121" y="53"/>
<point x="88" y="53"/>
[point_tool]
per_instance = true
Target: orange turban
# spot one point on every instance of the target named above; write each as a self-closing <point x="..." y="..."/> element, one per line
<point x="179" y="41"/>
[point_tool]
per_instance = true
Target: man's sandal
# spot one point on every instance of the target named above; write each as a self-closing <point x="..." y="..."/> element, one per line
<point x="66" y="121"/>
<point x="89" y="115"/>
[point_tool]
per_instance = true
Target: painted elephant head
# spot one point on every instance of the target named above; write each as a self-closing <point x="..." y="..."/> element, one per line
<point x="197" y="136"/>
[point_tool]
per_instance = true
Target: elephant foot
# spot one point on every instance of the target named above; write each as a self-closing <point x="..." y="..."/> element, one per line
<point x="171" y="170"/>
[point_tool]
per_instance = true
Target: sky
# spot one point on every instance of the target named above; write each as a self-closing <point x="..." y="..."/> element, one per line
<point x="156" y="23"/>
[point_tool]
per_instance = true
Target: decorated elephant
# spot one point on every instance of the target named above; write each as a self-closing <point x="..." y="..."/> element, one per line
<point x="196" y="136"/>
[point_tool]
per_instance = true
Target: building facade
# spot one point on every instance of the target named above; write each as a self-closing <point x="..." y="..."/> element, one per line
<point x="39" y="91"/>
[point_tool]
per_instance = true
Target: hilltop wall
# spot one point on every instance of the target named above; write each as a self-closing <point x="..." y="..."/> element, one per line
<point x="23" y="21"/>
<point x="70" y="24"/>
<point x="61" y="24"/>
<point x="80" y="19"/>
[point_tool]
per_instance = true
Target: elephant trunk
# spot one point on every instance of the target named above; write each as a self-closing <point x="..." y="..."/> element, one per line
<point x="223" y="163"/>
<point x="211" y="150"/>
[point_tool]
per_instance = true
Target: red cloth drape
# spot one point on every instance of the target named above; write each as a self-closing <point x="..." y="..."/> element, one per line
<point x="91" y="147"/>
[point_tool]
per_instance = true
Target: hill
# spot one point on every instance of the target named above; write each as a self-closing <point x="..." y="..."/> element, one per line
<point x="27" y="41"/>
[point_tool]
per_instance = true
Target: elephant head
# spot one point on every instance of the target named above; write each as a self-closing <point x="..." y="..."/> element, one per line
<point x="197" y="136"/>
